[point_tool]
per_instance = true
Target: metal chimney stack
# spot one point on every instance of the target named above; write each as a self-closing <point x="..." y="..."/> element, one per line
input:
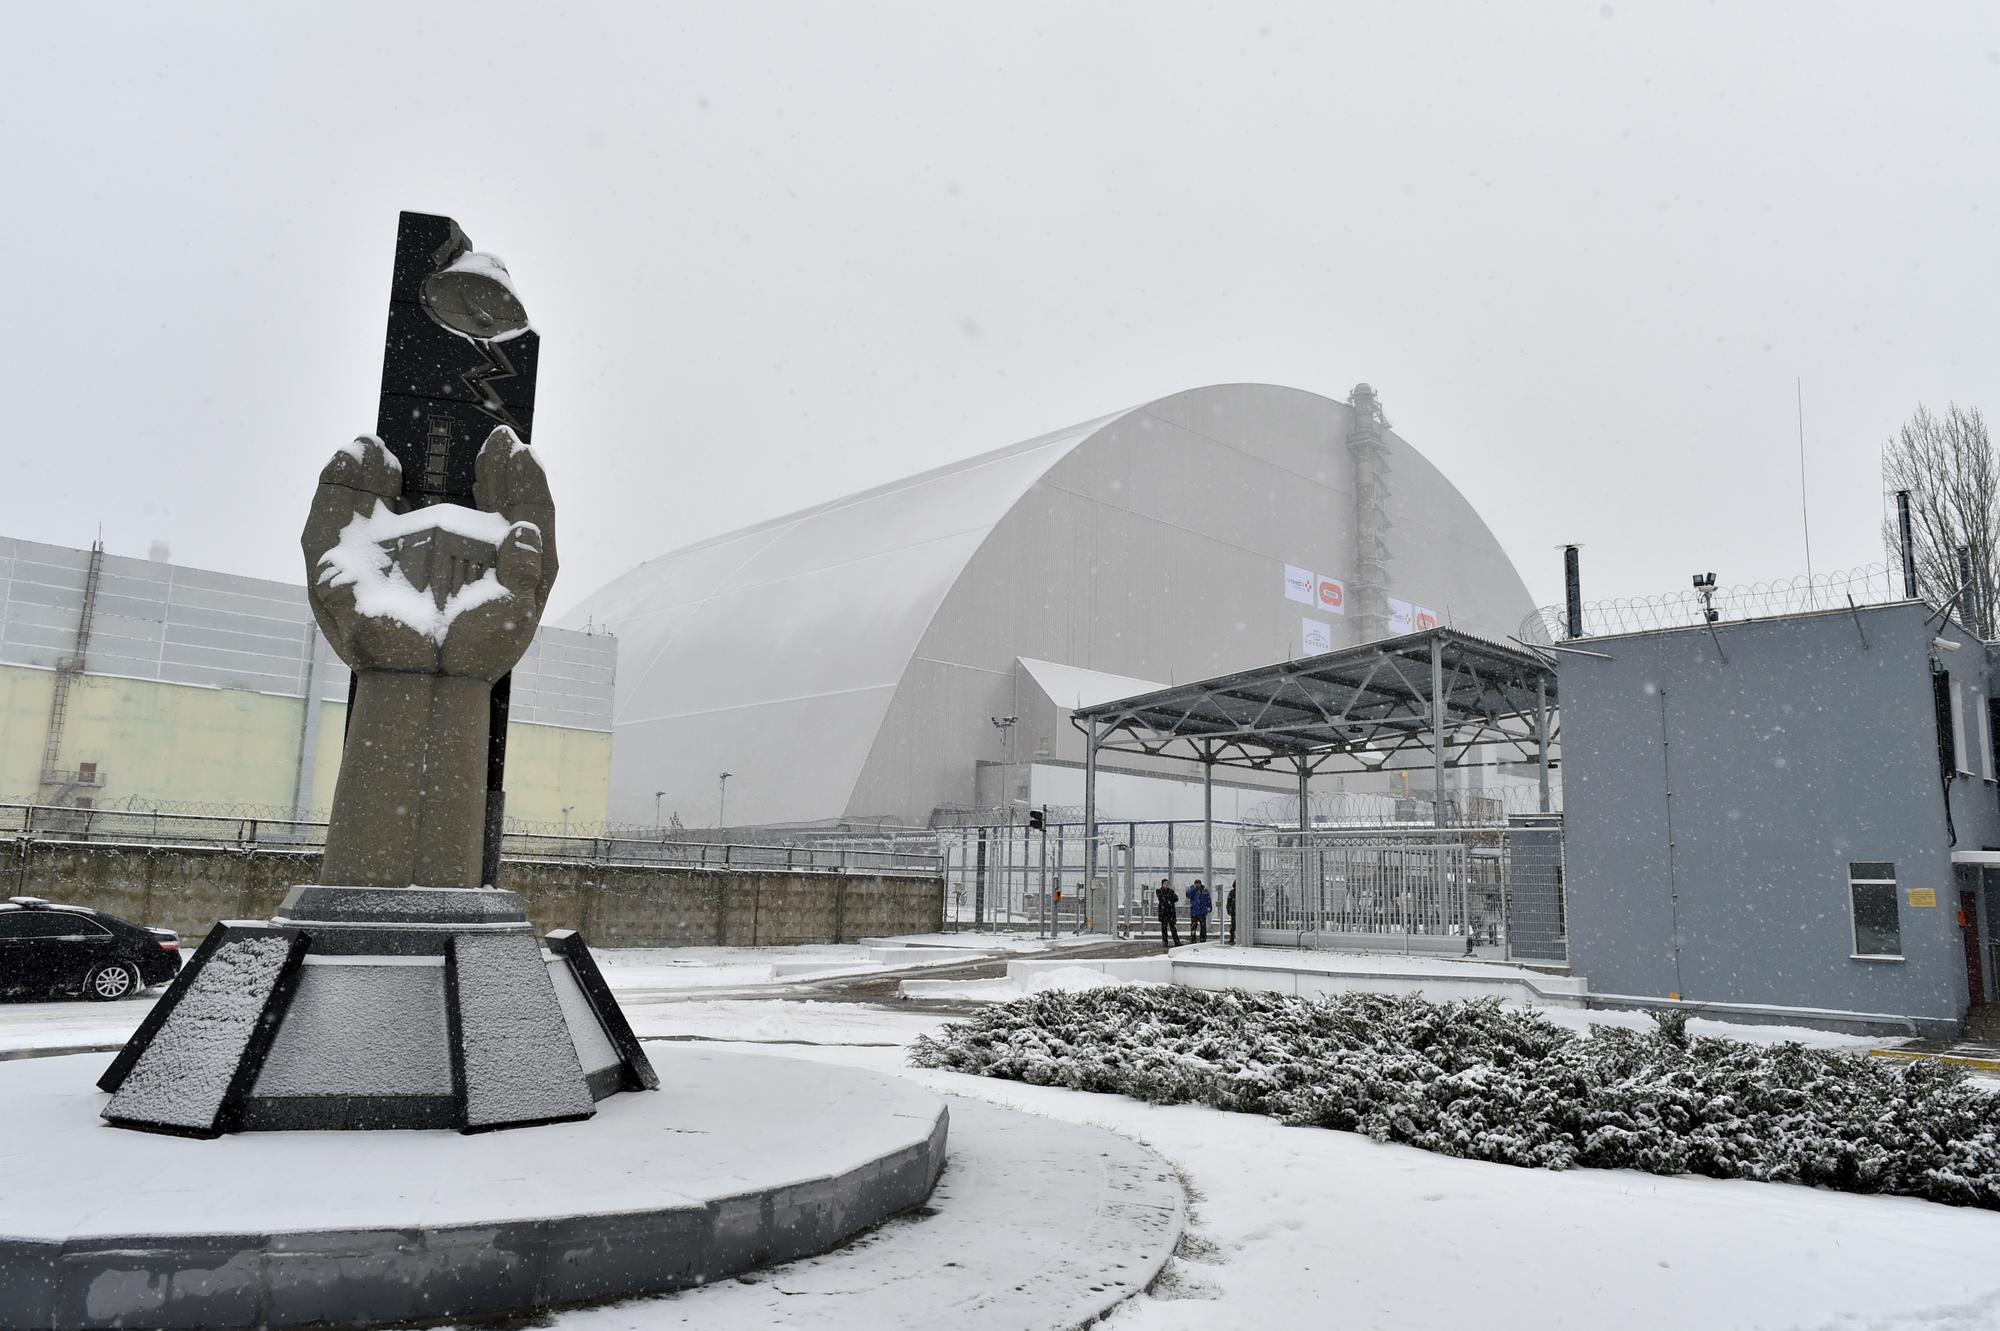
<point x="1572" y="591"/>
<point x="1968" y="593"/>
<point x="1909" y="547"/>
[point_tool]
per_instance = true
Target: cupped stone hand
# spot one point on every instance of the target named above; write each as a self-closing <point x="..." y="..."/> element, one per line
<point x="489" y="633"/>
<point x="439" y="590"/>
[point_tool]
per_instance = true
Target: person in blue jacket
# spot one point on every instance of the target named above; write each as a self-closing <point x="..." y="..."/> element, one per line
<point x="1199" y="904"/>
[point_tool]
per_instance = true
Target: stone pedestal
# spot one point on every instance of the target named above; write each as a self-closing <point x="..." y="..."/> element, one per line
<point x="379" y="1008"/>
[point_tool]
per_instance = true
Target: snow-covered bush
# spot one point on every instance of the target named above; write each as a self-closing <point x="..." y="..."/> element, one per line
<point x="1473" y="1079"/>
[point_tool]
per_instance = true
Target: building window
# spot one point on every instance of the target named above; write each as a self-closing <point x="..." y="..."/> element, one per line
<point x="1871" y="890"/>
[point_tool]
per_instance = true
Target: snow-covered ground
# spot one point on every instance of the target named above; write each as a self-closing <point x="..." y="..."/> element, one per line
<point x="1303" y="1226"/>
<point x="1007" y="987"/>
<point x="1581" y="1020"/>
<point x="1014" y="942"/>
<point x="651" y="968"/>
<point x="771" y="1021"/>
<point x="70" y="1025"/>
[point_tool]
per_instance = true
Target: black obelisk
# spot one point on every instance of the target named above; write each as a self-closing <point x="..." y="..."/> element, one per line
<point x="458" y="359"/>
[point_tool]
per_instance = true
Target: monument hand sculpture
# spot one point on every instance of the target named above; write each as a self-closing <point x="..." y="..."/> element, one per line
<point x="428" y="607"/>
<point x="439" y="590"/>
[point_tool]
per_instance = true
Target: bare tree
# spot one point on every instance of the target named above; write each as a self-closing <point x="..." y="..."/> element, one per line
<point x="1946" y="463"/>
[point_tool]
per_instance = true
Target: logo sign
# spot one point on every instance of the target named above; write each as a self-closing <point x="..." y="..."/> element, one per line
<point x="1330" y="595"/>
<point x="1402" y="616"/>
<point x="1318" y="637"/>
<point x="1426" y="618"/>
<point x="1300" y="584"/>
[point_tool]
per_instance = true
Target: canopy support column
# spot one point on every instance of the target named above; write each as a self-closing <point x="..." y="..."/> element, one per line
<point x="1090" y="822"/>
<point x="1208" y="817"/>
<point x="1437" y="729"/>
<point x="1305" y="808"/>
<point x="1542" y="739"/>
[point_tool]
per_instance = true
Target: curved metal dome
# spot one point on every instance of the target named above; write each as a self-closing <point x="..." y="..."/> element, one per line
<point x="844" y="661"/>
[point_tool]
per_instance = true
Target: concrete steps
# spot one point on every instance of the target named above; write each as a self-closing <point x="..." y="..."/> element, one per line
<point x="1983" y="1023"/>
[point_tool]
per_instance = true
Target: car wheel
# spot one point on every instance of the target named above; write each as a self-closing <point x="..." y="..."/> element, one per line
<point x="111" y="981"/>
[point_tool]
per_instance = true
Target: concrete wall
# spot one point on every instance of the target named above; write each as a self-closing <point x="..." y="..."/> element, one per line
<point x="1803" y="744"/>
<point x="188" y="890"/>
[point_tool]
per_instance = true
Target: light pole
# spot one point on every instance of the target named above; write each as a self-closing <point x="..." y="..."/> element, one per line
<point x="1005" y="725"/>
<point x="656" y="809"/>
<point x="722" y="799"/>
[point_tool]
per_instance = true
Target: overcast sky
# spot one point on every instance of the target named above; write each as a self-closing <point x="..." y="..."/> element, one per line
<point x="782" y="252"/>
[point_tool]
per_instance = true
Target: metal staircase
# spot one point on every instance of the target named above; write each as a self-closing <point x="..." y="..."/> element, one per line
<point x="60" y="785"/>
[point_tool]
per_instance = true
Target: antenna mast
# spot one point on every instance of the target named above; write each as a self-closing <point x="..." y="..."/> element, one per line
<point x="1805" y="521"/>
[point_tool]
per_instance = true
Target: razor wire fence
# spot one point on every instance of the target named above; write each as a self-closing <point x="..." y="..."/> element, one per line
<point x="1871" y="584"/>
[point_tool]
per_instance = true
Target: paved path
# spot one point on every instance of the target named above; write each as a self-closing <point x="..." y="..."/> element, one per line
<point x="1982" y="1056"/>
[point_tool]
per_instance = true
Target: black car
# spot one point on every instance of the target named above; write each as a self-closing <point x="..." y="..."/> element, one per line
<point x="48" y="948"/>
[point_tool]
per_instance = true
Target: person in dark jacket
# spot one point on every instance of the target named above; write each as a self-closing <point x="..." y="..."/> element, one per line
<point x="1170" y="904"/>
<point x="1199" y="904"/>
<point x="1232" y="913"/>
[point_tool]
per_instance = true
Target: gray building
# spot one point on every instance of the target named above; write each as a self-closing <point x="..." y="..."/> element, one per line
<point x="846" y="662"/>
<point x="1790" y="811"/>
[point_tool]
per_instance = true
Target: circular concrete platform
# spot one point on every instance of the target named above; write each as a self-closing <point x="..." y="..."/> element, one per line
<point x="738" y="1161"/>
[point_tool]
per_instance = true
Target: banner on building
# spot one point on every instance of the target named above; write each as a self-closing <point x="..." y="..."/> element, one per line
<point x="1301" y="585"/>
<point x="1402" y="617"/>
<point x="1330" y="595"/>
<point x="1426" y="618"/>
<point x="1318" y="637"/>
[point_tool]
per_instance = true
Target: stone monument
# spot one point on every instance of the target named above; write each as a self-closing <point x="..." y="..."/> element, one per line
<point x="405" y="990"/>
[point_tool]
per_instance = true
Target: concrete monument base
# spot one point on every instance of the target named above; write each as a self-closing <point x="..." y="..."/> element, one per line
<point x="378" y="1008"/>
<point x="748" y="1160"/>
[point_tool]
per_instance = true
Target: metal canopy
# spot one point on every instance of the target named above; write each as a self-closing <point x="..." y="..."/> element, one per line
<point x="1439" y="694"/>
<point x="1422" y="700"/>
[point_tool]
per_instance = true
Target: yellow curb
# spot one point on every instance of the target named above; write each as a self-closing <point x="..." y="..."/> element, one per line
<point x="1912" y="1055"/>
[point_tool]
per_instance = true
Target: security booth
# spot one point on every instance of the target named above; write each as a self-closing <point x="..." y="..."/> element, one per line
<point x="1460" y="876"/>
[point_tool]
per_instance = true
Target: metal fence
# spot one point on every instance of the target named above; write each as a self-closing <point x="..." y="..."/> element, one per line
<point x="1468" y="892"/>
<point x="1006" y="877"/>
<point x="1001" y="877"/>
<point x="48" y="822"/>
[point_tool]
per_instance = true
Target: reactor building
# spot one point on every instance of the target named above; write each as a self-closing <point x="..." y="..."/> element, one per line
<point x="846" y="665"/>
